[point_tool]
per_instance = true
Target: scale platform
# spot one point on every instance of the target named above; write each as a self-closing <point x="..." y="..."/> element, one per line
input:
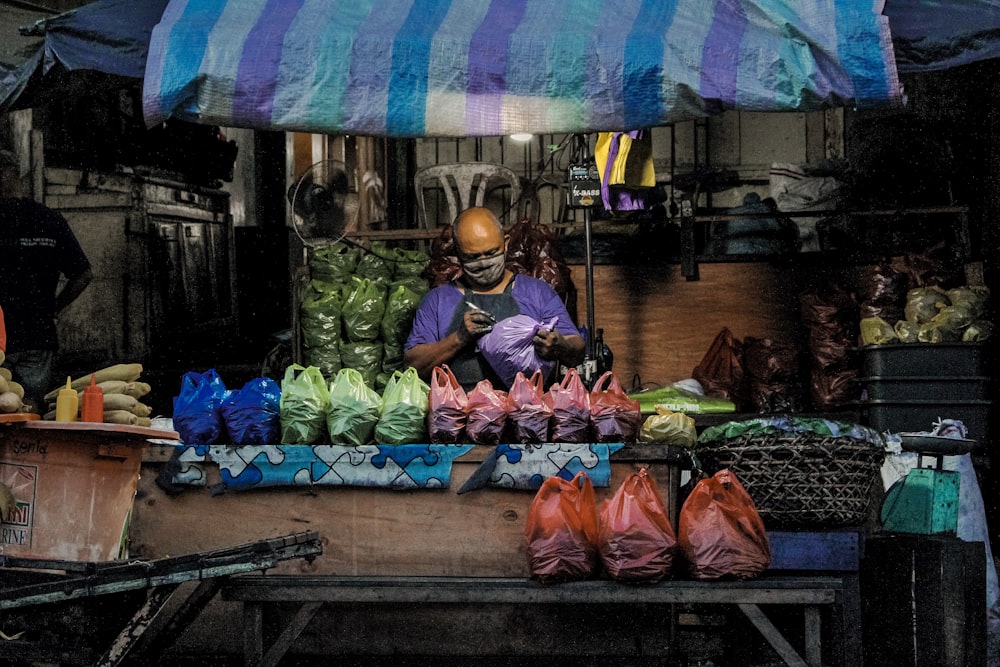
<point x="925" y="502"/>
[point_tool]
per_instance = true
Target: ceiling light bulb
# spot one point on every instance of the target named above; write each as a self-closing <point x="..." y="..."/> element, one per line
<point x="521" y="136"/>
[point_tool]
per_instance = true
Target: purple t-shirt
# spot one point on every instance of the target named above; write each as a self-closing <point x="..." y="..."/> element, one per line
<point x="534" y="297"/>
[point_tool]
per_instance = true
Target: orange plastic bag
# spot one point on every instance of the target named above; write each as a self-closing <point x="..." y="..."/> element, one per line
<point x="615" y="416"/>
<point x="530" y="414"/>
<point x="720" y="531"/>
<point x="487" y="414"/>
<point x="561" y="531"/>
<point x="570" y="409"/>
<point x="636" y="540"/>
<point x="447" y="407"/>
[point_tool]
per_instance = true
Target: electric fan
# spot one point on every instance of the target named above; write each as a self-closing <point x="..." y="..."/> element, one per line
<point x="324" y="203"/>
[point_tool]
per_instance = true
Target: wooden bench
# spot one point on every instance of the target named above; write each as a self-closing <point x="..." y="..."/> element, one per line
<point x="831" y="582"/>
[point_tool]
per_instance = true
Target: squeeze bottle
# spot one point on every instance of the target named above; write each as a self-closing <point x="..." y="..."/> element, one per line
<point x="67" y="403"/>
<point x="93" y="402"/>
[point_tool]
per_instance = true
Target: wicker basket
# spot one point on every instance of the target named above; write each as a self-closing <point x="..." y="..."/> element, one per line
<point x="801" y="479"/>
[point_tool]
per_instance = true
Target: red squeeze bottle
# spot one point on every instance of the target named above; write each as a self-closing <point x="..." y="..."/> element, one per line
<point x="92" y="409"/>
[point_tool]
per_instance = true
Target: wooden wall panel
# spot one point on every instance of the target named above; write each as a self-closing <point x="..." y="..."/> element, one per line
<point x="659" y="325"/>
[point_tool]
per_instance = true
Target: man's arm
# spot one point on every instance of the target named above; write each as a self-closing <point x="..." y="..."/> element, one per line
<point x="72" y="289"/>
<point x="425" y="356"/>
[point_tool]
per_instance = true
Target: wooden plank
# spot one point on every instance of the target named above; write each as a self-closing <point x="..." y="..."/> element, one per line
<point x="813" y="636"/>
<point x="773" y="637"/>
<point x="253" y="632"/>
<point x="492" y="590"/>
<point x="290" y="633"/>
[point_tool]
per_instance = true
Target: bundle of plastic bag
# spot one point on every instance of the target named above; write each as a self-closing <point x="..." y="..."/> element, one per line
<point x="355" y="409"/>
<point x="487" y="408"/>
<point x="197" y="417"/>
<point x="509" y="349"/>
<point x="305" y="401"/>
<point x="404" y="409"/>
<point x="253" y="413"/>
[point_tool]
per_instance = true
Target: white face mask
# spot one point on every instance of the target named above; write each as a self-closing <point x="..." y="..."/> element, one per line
<point x="486" y="272"/>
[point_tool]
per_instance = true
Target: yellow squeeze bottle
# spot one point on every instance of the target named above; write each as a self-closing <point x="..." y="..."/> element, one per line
<point x="67" y="403"/>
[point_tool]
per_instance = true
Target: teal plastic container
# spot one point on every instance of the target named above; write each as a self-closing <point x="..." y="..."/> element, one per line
<point x="925" y="502"/>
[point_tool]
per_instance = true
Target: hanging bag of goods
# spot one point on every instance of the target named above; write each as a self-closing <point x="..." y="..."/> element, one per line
<point x="488" y="408"/>
<point x="355" y="409"/>
<point x="570" y="403"/>
<point x="305" y="401"/>
<point x="530" y="414"/>
<point x="404" y="409"/>
<point x="252" y="414"/>
<point x="197" y="417"/>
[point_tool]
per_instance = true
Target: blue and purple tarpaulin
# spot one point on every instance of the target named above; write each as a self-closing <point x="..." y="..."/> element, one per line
<point x="488" y="68"/>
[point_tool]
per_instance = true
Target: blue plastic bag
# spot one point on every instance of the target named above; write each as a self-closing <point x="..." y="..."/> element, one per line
<point x="509" y="349"/>
<point x="197" y="418"/>
<point x="252" y="414"/>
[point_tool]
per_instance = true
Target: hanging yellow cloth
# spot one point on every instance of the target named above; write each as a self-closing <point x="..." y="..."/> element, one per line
<point x="631" y="165"/>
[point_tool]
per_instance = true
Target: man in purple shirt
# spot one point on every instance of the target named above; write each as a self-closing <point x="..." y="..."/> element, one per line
<point x="452" y="317"/>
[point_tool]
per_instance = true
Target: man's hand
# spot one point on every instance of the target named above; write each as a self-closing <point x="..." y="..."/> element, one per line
<point x="548" y="344"/>
<point x="475" y="323"/>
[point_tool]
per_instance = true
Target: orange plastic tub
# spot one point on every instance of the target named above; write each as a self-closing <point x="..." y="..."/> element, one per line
<point x="74" y="484"/>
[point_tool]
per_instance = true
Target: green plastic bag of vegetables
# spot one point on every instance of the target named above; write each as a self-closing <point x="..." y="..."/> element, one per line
<point x="320" y="311"/>
<point x="334" y="263"/>
<point x="377" y="264"/>
<point x="404" y="411"/>
<point x="399" y="312"/>
<point x="364" y="306"/>
<point x="355" y="409"/>
<point x="366" y="358"/>
<point x="305" y="401"/>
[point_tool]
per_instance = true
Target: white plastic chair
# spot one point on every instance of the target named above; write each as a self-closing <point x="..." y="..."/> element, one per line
<point x="465" y="184"/>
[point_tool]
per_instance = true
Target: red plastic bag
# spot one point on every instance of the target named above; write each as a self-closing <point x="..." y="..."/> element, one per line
<point x="530" y="413"/>
<point x="615" y="416"/>
<point x="636" y="540"/>
<point x="720" y="532"/>
<point x="447" y="407"/>
<point x="487" y="410"/>
<point x="570" y="403"/>
<point x="561" y="531"/>
<point x="720" y="371"/>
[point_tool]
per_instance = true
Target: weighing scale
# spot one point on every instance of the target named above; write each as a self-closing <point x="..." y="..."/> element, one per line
<point x="925" y="502"/>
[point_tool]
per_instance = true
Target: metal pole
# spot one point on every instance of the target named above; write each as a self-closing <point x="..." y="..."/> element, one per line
<point x="591" y="332"/>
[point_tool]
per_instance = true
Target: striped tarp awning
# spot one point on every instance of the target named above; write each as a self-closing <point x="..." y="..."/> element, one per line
<point x="494" y="67"/>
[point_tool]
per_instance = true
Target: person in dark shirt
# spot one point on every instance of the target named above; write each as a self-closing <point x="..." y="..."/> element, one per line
<point x="37" y="246"/>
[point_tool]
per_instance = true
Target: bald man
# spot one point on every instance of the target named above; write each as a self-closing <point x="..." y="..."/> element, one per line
<point x="453" y="316"/>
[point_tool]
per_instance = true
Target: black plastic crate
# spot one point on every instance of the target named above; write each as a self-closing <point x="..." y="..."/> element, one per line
<point x="926" y="388"/>
<point x="924" y="360"/>
<point x="905" y="416"/>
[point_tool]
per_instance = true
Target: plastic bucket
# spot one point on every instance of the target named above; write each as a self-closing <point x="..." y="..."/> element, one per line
<point x="74" y="491"/>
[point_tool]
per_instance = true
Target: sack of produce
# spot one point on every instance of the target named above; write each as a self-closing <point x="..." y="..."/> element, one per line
<point x="376" y="264"/>
<point x="615" y="416"/>
<point x="405" y="403"/>
<point x="530" y="415"/>
<point x="720" y="532"/>
<point x="334" y="263"/>
<point x="399" y="311"/>
<point x="635" y="538"/>
<point x="364" y="306"/>
<point x="720" y="371"/>
<point x="508" y="348"/>
<point x="253" y="413"/>
<point x="923" y="303"/>
<point x="364" y="357"/>
<point x="561" y="532"/>
<point x="305" y="401"/>
<point x="570" y="403"/>
<point x="355" y="409"/>
<point x="447" y="407"/>
<point x="197" y="418"/>
<point x="488" y="408"/>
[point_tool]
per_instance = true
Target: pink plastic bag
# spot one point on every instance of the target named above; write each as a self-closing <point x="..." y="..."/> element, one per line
<point x="615" y="416"/>
<point x="570" y="409"/>
<point x="487" y="410"/>
<point x="530" y="414"/>
<point x="447" y="407"/>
